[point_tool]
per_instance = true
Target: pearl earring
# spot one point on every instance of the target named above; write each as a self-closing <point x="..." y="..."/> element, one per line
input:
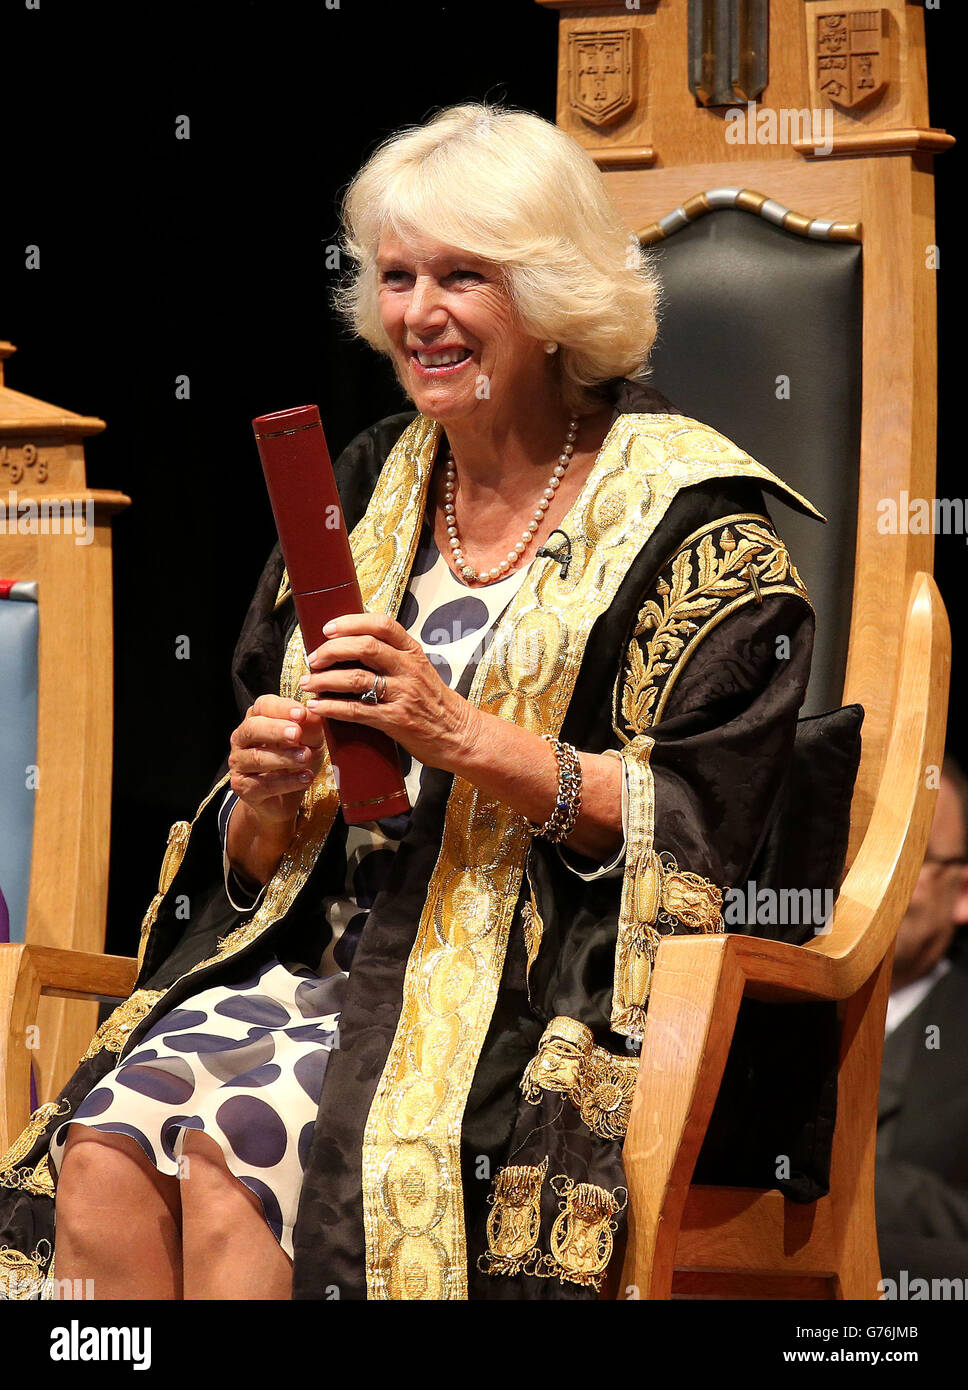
<point x="550" y="348"/>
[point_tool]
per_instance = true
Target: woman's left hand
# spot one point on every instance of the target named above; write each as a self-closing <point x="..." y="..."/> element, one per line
<point x="423" y="714"/>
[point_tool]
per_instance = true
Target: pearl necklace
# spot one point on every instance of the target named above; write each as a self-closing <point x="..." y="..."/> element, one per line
<point x="527" y="535"/>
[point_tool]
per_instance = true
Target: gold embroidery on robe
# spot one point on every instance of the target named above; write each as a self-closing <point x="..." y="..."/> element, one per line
<point x="582" y="1237"/>
<point x="559" y="1063"/>
<point x="37" y="1181"/>
<point x="32" y="1180"/>
<point x="607" y="1093"/>
<point x="533" y="928"/>
<point x="174" y="854"/>
<point x="657" y="899"/>
<point x="514" y="1222"/>
<point x="118" y="1026"/>
<point x="599" y="1085"/>
<point x="689" y="901"/>
<point x="711" y="575"/>
<point x="526" y="676"/>
<point x="637" y="938"/>
<point x="22" y="1276"/>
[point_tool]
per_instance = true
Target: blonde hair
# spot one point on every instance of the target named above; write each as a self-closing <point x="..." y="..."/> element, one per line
<point x="513" y="189"/>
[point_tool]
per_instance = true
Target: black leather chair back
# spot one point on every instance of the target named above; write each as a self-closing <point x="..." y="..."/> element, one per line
<point x="760" y="337"/>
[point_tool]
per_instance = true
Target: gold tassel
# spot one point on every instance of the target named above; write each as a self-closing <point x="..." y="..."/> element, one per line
<point x="174" y="854"/>
<point x="582" y="1236"/>
<point x="514" y="1222"/>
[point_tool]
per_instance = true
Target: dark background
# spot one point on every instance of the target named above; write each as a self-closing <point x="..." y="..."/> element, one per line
<point x="207" y="257"/>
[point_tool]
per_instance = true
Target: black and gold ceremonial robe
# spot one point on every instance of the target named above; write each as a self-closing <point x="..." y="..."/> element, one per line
<point x="469" y="1136"/>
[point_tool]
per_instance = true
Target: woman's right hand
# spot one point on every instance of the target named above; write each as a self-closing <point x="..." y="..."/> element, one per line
<point x="276" y="752"/>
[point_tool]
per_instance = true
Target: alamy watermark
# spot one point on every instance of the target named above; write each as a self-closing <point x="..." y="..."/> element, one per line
<point x="23" y="1285"/>
<point x="773" y="907"/>
<point x="905" y="515"/>
<point x="74" y="1342"/>
<point x="763" y="125"/>
<point x="906" y="1288"/>
<point x="47" y="516"/>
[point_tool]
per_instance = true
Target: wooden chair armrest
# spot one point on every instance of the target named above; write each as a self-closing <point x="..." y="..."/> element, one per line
<point x="26" y="973"/>
<point x="699" y="981"/>
<point x="878" y="887"/>
<point x="81" y="974"/>
<point x="697" y="987"/>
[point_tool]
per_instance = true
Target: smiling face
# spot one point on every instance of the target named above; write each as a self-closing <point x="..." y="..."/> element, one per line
<point x="457" y="345"/>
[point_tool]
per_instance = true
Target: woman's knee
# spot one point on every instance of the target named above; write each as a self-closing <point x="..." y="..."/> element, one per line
<point x="229" y="1249"/>
<point x="213" y="1199"/>
<point x="101" y="1172"/>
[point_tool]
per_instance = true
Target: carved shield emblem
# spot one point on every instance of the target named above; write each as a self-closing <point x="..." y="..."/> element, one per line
<point x="600" y="74"/>
<point x="852" y="56"/>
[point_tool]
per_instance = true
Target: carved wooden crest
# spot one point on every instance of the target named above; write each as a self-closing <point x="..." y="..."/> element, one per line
<point x="600" y="74"/>
<point x="852" y="62"/>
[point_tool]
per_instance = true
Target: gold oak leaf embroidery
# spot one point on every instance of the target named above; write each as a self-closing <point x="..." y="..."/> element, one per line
<point x="702" y="578"/>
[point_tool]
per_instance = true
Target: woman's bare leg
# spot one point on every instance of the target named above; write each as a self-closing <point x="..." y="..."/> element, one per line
<point x="227" y="1247"/>
<point x="117" y="1218"/>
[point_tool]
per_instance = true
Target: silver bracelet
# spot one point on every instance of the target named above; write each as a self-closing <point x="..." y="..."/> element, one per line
<point x="561" y="822"/>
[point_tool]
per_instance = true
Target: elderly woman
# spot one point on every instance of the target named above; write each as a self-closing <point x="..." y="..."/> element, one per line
<point x="396" y="1060"/>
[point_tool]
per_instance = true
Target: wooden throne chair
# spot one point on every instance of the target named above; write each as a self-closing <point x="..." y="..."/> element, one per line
<point x="647" y="87"/>
<point x="56" y="678"/>
<point x="777" y="156"/>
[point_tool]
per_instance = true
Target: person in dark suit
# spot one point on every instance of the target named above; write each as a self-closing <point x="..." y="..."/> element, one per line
<point x="921" y="1185"/>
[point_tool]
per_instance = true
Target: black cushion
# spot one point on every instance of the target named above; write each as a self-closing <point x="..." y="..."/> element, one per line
<point x="806" y="845"/>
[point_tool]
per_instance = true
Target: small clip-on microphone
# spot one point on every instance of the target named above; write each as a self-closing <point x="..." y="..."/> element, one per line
<point x="561" y="552"/>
